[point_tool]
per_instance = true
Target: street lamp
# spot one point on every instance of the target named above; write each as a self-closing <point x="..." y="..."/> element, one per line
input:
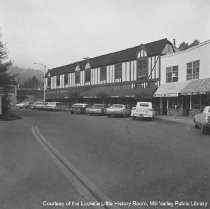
<point x="44" y="66"/>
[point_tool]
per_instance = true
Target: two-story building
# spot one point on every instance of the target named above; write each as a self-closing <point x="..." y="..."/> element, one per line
<point x="185" y="81"/>
<point x="124" y="76"/>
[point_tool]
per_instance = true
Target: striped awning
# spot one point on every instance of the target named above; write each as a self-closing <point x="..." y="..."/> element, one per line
<point x="171" y="89"/>
<point x="198" y="86"/>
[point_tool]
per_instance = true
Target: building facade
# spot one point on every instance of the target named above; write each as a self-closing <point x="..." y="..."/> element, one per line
<point x="185" y="81"/>
<point x="124" y="76"/>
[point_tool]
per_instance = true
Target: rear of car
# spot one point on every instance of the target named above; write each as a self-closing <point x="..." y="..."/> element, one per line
<point x="202" y="120"/>
<point x="78" y="108"/>
<point x="143" y="110"/>
<point x="23" y="105"/>
<point x="96" y="109"/>
<point x="117" y="110"/>
<point x="36" y="105"/>
<point x="54" y="106"/>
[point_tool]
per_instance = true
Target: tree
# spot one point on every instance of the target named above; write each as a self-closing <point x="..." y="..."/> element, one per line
<point x="32" y="83"/>
<point x="5" y="78"/>
<point x="184" y="46"/>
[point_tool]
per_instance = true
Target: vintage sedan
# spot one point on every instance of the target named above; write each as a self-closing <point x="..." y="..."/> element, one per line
<point x="202" y="120"/>
<point x="96" y="109"/>
<point x="118" y="110"/>
<point x="23" y="105"/>
<point x="78" y="108"/>
<point x="55" y="106"/>
<point x="37" y="105"/>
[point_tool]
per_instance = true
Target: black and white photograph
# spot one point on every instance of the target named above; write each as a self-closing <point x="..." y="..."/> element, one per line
<point x="104" y="104"/>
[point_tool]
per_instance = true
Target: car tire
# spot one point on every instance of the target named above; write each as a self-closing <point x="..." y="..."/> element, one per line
<point x="203" y="129"/>
<point x="195" y="125"/>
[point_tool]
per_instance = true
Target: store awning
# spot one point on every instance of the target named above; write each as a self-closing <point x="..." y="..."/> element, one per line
<point x="171" y="89"/>
<point x="112" y="91"/>
<point x="199" y="86"/>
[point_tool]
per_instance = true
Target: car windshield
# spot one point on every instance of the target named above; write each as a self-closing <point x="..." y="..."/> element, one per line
<point x="51" y="103"/>
<point x="144" y="105"/>
<point x="116" y="106"/>
<point x="98" y="105"/>
<point x="77" y="105"/>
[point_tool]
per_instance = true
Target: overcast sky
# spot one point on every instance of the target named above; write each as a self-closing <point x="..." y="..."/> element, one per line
<point x="59" y="32"/>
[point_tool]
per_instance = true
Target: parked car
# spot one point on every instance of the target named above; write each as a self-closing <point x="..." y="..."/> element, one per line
<point x="36" y="105"/>
<point x="96" y="109"/>
<point x="118" y="110"/>
<point x="143" y="110"/>
<point x="23" y="105"/>
<point x="55" y="106"/>
<point x="202" y="120"/>
<point x="78" y="108"/>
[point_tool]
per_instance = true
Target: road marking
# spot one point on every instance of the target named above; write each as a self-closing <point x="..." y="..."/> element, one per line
<point x="84" y="185"/>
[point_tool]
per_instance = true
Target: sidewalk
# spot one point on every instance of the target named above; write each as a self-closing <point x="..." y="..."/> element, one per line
<point x="179" y="119"/>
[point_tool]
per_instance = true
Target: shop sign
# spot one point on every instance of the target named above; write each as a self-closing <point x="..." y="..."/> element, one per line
<point x="194" y="93"/>
<point x="167" y="95"/>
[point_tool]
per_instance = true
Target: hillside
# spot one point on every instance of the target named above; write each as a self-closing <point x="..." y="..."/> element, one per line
<point x="23" y="75"/>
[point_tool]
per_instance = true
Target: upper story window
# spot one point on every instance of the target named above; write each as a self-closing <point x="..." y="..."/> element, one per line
<point x="58" y="80"/>
<point x="142" y="53"/>
<point x="49" y="82"/>
<point x="118" y="70"/>
<point x="77" y="77"/>
<point x="193" y="70"/>
<point x="142" y="67"/>
<point x="66" y="79"/>
<point x="87" y="75"/>
<point x="171" y="74"/>
<point x="103" y="73"/>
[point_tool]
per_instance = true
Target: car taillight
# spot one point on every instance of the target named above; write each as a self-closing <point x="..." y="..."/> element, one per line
<point x="207" y="119"/>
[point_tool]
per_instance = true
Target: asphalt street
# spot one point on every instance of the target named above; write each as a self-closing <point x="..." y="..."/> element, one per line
<point x="116" y="159"/>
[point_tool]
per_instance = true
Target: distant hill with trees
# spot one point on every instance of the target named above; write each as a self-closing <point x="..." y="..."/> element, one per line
<point x="27" y="78"/>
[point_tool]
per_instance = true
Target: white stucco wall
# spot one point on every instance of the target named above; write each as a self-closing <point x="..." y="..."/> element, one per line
<point x="200" y="52"/>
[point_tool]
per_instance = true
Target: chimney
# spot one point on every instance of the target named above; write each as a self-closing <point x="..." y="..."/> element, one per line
<point x="174" y="40"/>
